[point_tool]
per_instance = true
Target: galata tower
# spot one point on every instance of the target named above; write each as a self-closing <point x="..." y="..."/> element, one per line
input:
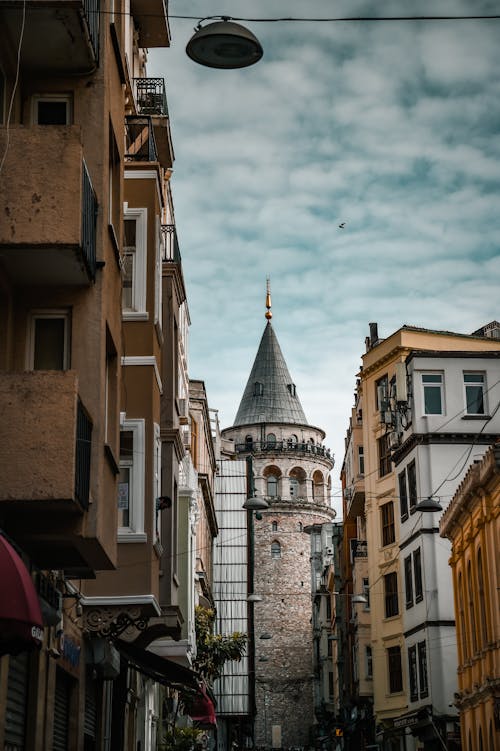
<point x="291" y="469"/>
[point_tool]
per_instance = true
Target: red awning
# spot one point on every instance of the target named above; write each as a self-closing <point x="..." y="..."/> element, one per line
<point x="21" y="624"/>
<point x="202" y="709"/>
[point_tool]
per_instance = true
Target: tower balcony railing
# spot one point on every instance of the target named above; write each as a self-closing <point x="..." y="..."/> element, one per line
<point x="273" y="447"/>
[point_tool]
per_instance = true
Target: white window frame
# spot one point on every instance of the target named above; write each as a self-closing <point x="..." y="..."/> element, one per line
<point x="135" y="531"/>
<point x="138" y="312"/>
<point x="36" y="315"/>
<point x="434" y="385"/>
<point x="482" y="383"/>
<point x="158" y="275"/>
<point x="156" y="479"/>
<point x="66" y="98"/>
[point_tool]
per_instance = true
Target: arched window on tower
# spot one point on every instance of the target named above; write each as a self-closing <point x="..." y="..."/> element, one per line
<point x="275" y="549"/>
<point x="248" y="442"/>
<point x="258" y="388"/>
<point x="274" y="526"/>
<point x="272" y="486"/>
<point x="271" y="440"/>
<point x="318" y="487"/>
<point x="293" y="442"/>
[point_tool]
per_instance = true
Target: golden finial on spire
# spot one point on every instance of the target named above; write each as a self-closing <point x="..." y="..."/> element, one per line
<point x="269" y="315"/>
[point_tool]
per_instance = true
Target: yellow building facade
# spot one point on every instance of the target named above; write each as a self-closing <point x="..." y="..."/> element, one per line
<point x="472" y="523"/>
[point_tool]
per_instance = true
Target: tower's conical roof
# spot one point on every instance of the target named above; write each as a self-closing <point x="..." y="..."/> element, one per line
<point x="270" y="394"/>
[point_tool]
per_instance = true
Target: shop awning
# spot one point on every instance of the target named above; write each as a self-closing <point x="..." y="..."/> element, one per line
<point x="21" y="624"/>
<point x="202" y="710"/>
<point x="158" y="668"/>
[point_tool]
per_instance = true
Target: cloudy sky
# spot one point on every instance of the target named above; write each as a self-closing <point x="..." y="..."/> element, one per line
<point x="391" y="127"/>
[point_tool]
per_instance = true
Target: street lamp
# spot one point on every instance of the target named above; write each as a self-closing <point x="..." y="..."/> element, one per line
<point x="429" y="504"/>
<point x="224" y="44"/>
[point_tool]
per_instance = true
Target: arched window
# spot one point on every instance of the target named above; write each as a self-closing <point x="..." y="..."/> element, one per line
<point x="294" y="487"/>
<point x="274" y="526"/>
<point x="317" y="486"/>
<point x="482" y="600"/>
<point x="472" y="611"/>
<point x="272" y="486"/>
<point x="248" y="442"/>
<point x="461" y="613"/>
<point x="271" y="440"/>
<point x="481" y="747"/>
<point x="275" y="549"/>
<point x="470" y="741"/>
<point x="258" y="388"/>
<point x="300" y="527"/>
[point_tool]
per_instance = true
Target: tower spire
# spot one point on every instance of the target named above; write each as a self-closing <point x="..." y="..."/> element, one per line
<point x="268" y="313"/>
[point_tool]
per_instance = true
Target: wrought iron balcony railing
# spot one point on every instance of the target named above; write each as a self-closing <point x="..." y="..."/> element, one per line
<point x="92" y="12"/>
<point x="140" y="139"/>
<point x="169" y="243"/>
<point x="82" y="463"/>
<point x="150" y="96"/>
<point x="280" y="446"/>
<point x="89" y="221"/>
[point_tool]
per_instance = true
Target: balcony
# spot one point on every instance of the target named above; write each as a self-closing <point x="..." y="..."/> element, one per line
<point x="151" y="19"/>
<point x="49" y="212"/>
<point x="72" y="26"/>
<point x="355" y="498"/>
<point x="170" y="252"/>
<point x="277" y="447"/>
<point x="45" y="449"/>
<point x="151" y="101"/>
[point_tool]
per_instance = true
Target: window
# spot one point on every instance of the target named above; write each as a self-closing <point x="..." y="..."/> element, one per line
<point x="368" y="662"/>
<point x="258" y="388"/>
<point x="294" y="487"/>
<point x="157" y="476"/>
<point x="391" y="594"/>
<point x="394" y="669"/>
<point x="292" y="389"/>
<point x="361" y="460"/>
<point x="275" y="549"/>
<point x="271" y="440"/>
<point x="403" y="495"/>
<point x="432" y="384"/>
<point x="49" y="341"/>
<point x="482" y="600"/>
<point x="387" y="520"/>
<point x="248" y="442"/>
<point x="331" y="693"/>
<point x="52" y="109"/>
<point x="272" y="486"/>
<point x="111" y="393"/>
<point x="274" y="526"/>
<point x="417" y="573"/>
<point x="134" y="264"/>
<point x="114" y="187"/>
<point x="292" y="441"/>
<point x="366" y="592"/>
<point x="412" y="672"/>
<point x="472" y="611"/>
<point x="408" y="583"/>
<point x="422" y="669"/>
<point x="412" y="484"/>
<point x="131" y="482"/>
<point x="384" y="456"/>
<point x="158" y="276"/>
<point x="461" y="613"/>
<point x="474" y="393"/>
<point x="382" y="393"/>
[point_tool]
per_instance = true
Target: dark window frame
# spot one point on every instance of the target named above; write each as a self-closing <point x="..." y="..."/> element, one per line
<point x="395" y="670"/>
<point x="391" y="600"/>
<point x="403" y="495"/>
<point x="388" y="527"/>
<point x="408" y="582"/>
<point x="384" y="455"/>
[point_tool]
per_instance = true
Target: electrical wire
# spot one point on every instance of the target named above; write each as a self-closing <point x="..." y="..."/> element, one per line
<point x="14" y="88"/>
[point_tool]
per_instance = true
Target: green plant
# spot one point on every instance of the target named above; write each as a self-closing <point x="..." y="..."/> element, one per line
<point x="181" y="739"/>
<point x="214" y="650"/>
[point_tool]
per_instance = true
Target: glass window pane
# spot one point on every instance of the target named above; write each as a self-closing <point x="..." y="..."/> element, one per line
<point x="49" y="344"/>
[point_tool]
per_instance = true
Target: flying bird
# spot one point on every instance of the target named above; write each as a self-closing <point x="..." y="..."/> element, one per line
<point x="342" y="225"/>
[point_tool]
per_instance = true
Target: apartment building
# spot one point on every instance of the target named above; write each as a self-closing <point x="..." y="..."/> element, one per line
<point x="429" y="402"/>
<point x="93" y="376"/>
<point x="472" y="524"/>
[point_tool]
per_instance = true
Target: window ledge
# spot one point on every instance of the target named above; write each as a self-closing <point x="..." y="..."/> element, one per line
<point x="132" y="537"/>
<point x="135" y="315"/>
<point x="476" y="417"/>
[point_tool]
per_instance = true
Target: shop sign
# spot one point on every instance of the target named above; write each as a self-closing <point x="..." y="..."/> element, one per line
<point x="406" y="722"/>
